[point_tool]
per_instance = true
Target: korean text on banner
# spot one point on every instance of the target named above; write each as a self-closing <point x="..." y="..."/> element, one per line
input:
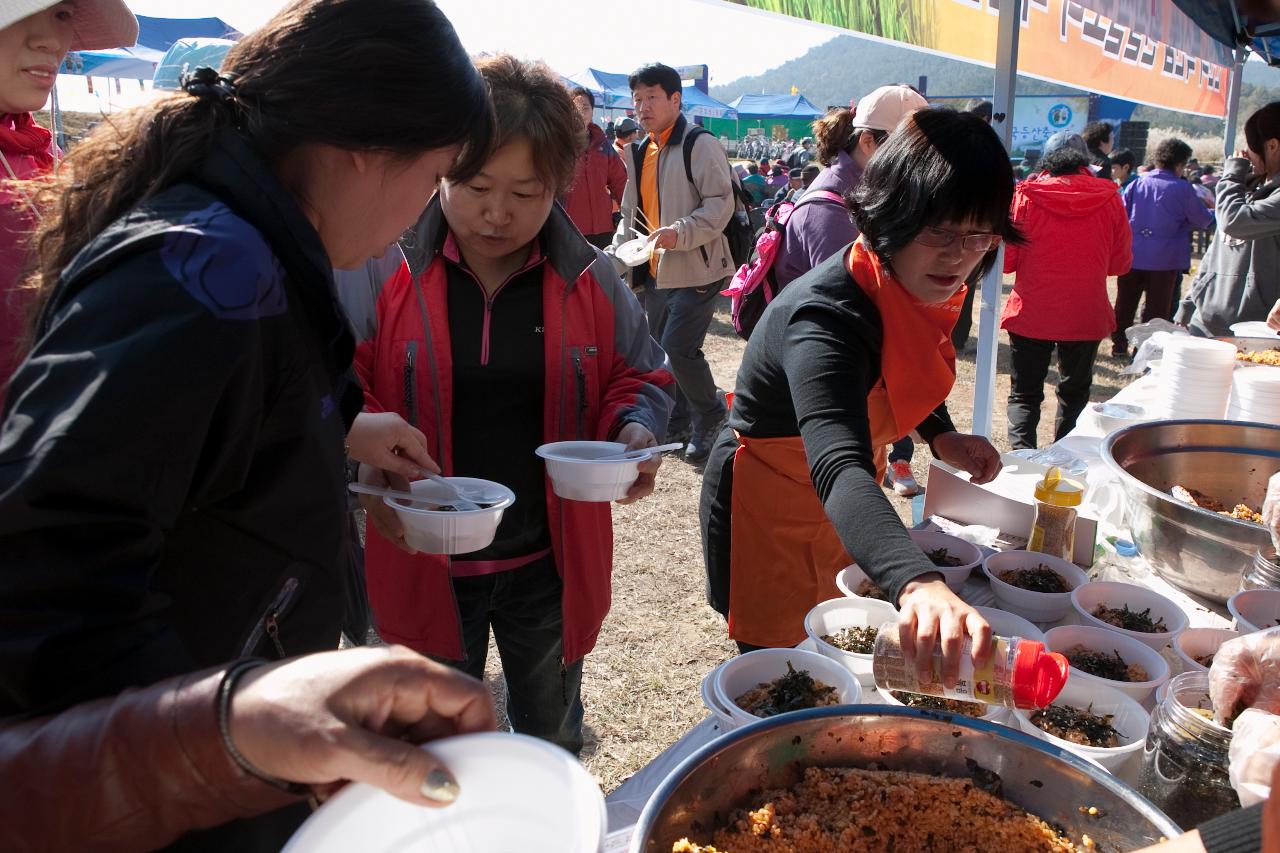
<point x="1147" y="52"/>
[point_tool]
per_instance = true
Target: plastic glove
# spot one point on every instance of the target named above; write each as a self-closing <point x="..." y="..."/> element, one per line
<point x="1246" y="674"/>
<point x="1271" y="509"/>
<point x="1255" y="752"/>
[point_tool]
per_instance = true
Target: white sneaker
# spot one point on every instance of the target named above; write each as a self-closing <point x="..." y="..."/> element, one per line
<point x="899" y="476"/>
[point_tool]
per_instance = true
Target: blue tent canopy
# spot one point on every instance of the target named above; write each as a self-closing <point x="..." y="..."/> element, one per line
<point x="775" y="106"/>
<point x="695" y="102"/>
<point x="612" y="91"/>
<point x="185" y="56"/>
<point x="1227" y="23"/>
<point x="155" y="37"/>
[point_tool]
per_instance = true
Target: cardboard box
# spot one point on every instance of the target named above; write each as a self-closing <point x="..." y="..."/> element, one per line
<point x="1006" y="503"/>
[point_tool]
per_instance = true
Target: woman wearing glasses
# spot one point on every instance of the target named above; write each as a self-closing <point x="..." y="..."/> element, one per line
<point x="848" y="358"/>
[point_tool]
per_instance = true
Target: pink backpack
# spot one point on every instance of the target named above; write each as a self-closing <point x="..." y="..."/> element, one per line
<point x="754" y="286"/>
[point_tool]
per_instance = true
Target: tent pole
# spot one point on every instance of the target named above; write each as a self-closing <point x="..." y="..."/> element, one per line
<point x="1233" y="106"/>
<point x="59" y="138"/>
<point x="984" y="391"/>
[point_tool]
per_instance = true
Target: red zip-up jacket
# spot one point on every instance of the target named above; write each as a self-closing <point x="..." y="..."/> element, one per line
<point x="1077" y="234"/>
<point x="603" y="370"/>
<point x="597" y="186"/>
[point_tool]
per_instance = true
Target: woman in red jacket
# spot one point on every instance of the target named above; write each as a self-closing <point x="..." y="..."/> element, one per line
<point x="598" y="181"/>
<point x="1077" y="235"/>
<point x="508" y="330"/>
<point x="35" y="36"/>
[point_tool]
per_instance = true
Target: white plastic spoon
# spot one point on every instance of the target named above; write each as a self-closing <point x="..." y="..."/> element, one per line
<point x="640" y="453"/>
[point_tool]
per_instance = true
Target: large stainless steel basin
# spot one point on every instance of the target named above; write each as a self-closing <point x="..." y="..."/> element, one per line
<point x="1042" y="779"/>
<point x="1201" y="551"/>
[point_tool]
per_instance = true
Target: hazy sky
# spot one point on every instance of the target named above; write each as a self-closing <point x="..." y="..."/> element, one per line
<point x="571" y="35"/>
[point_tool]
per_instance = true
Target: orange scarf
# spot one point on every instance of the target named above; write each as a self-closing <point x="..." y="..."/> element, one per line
<point x="917" y="359"/>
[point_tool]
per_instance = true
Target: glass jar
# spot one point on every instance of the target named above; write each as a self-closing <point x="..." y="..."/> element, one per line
<point x="1053" y="531"/>
<point x="1184" y="762"/>
<point x="1019" y="674"/>
<point x="1263" y="574"/>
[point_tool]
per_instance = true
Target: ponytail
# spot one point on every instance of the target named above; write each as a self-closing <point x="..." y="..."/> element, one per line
<point x="384" y="75"/>
<point x="833" y="133"/>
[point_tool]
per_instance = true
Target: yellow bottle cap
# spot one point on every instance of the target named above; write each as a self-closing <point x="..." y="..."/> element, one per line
<point x="1055" y="490"/>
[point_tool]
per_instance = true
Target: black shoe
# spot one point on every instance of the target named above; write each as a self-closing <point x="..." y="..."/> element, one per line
<point x="679" y="433"/>
<point x="700" y="444"/>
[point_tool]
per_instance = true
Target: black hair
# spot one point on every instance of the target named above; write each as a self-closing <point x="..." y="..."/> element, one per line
<point x="1124" y="157"/>
<point x="1063" y="161"/>
<point x="1208" y="170"/>
<point x="982" y="109"/>
<point x="1264" y="124"/>
<point x="583" y="92"/>
<point x="753" y="168"/>
<point x="656" y="74"/>
<point x="1095" y="133"/>
<point x="1171" y="153"/>
<point x="938" y="166"/>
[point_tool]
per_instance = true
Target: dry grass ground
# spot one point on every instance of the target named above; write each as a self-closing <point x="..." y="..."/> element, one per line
<point x="640" y="684"/>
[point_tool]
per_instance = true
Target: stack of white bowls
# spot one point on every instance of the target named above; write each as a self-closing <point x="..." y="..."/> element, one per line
<point x="1255" y="395"/>
<point x="1195" y="378"/>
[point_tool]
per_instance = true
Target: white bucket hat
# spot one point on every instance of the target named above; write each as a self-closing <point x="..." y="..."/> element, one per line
<point x="99" y="24"/>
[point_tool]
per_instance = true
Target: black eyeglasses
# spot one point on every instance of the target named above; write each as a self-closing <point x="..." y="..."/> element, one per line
<point x="940" y="238"/>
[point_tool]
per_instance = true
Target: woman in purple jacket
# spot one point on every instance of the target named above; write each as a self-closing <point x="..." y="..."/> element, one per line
<point x="1163" y="210"/>
<point x="821" y="226"/>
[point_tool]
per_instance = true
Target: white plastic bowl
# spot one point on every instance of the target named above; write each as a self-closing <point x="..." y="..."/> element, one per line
<point x="719" y="712"/>
<point x="1006" y="624"/>
<point x="994" y="714"/>
<point x="849" y="612"/>
<point x="1114" y="416"/>
<point x="1255" y="609"/>
<point x="1114" y="594"/>
<point x="550" y="804"/>
<point x="442" y="532"/>
<point x="765" y="665"/>
<point x="1129" y="718"/>
<point x="1198" y="642"/>
<point x="576" y="476"/>
<point x="1036" y="606"/>
<point x="970" y="555"/>
<point x="1066" y="637"/>
<point x="849" y="579"/>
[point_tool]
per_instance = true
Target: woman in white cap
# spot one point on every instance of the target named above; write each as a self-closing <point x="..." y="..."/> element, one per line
<point x="35" y="36"/>
<point x="821" y="225"/>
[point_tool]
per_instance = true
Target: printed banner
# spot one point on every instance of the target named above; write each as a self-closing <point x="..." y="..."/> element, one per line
<point x="1155" y="55"/>
<point x="1037" y="117"/>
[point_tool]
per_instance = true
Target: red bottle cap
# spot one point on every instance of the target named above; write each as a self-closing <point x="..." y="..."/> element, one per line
<point x="1038" y="676"/>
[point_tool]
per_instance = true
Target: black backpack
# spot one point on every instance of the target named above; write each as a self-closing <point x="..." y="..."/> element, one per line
<point x="738" y="230"/>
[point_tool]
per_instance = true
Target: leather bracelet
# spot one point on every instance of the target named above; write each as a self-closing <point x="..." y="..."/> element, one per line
<point x="225" y="690"/>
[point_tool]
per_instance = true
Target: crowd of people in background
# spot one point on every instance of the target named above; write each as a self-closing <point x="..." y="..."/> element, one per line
<point x="274" y="295"/>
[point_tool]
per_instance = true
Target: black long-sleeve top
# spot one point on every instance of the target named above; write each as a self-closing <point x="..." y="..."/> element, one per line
<point x="807" y="371"/>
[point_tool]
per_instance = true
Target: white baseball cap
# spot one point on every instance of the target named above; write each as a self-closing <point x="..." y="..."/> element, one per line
<point x="98" y="24"/>
<point x="886" y="107"/>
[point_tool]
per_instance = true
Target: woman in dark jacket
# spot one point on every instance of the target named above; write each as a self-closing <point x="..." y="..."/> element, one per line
<point x="172" y="475"/>
<point x="850" y="356"/>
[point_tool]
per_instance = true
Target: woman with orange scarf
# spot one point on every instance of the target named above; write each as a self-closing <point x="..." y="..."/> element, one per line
<point x="851" y="356"/>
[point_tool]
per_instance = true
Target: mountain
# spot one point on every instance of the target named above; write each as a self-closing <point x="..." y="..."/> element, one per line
<point x="847" y="67"/>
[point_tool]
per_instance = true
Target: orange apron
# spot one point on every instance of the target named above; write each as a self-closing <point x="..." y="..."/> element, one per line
<point x="785" y="553"/>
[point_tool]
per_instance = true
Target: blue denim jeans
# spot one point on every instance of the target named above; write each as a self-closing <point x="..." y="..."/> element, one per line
<point x="522" y="606"/>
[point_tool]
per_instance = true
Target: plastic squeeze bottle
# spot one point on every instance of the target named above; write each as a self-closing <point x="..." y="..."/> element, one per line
<point x="1054" y="530"/>
<point x="1020" y="673"/>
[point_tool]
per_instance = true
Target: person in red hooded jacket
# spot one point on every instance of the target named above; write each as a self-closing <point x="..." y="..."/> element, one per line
<point x="598" y="181"/>
<point x="1077" y="235"/>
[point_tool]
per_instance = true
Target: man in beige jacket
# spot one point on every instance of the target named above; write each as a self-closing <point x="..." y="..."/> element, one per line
<point x="679" y="193"/>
